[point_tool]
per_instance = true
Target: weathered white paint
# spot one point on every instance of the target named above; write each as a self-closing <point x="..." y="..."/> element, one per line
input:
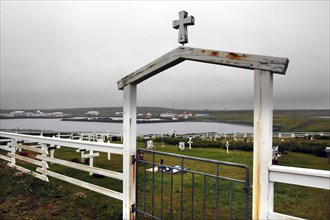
<point x="5" y="140"/>
<point x="6" y="148"/>
<point x="100" y="171"/>
<point x="9" y="159"/>
<point x="95" y="188"/>
<point x="35" y="148"/>
<point x="300" y="176"/>
<point x="29" y="160"/>
<point x="91" y="160"/>
<point x="91" y="155"/>
<point x="44" y="141"/>
<point x="129" y="142"/>
<point x="262" y="145"/>
<point x="180" y="54"/>
<point x="22" y="169"/>
<point x="101" y="147"/>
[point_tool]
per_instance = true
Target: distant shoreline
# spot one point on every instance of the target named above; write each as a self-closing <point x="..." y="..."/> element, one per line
<point x="109" y="120"/>
<point x="139" y="121"/>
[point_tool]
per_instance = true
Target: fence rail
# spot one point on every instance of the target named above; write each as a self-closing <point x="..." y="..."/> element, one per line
<point x="88" y="145"/>
<point x="300" y="176"/>
<point x="43" y="144"/>
<point x="297" y="176"/>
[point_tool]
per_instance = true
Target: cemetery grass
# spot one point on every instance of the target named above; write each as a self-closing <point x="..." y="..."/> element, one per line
<point x="27" y="197"/>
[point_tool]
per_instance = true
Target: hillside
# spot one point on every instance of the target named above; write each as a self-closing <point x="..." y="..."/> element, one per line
<point x="284" y="120"/>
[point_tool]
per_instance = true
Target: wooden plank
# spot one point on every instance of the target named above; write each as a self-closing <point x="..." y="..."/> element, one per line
<point x="5" y="140"/>
<point x="263" y="191"/>
<point x="164" y="62"/>
<point x="300" y="176"/>
<point x="100" y="171"/>
<point x="91" y="155"/>
<point x="101" y="147"/>
<point x="29" y="160"/>
<point x="129" y="141"/>
<point x="246" y="61"/>
<point x="6" y="148"/>
<point x="95" y="188"/>
<point x="30" y="172"/>
<point x="30" y="148"/>
<point x="9" y="159"/>
<point x="279" y="216"/>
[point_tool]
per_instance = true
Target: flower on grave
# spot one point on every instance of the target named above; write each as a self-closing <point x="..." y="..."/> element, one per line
<point x="20" y="173"/>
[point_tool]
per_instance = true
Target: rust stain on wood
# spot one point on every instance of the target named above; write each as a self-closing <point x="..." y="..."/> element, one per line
<point x="257" y="188"/>
<point x="214" y="53"/>
<point x="152" y="65"/>
<point x="235" y="56"/>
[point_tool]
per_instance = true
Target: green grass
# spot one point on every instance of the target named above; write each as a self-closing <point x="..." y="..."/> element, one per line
<point x="59" y="200"/>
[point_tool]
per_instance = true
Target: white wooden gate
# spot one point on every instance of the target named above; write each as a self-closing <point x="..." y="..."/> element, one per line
<point x="263" y="171"/>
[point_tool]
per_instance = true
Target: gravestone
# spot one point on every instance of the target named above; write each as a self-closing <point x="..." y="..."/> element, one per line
<point x="190" y="142"/>
<point x="150" y="145"/>
<point x="227" y="146"/>
<point x="181" y="146"/>
<point x="275" y="155"/>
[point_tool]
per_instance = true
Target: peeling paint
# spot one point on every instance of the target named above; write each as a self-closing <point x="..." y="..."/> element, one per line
<point x="214" y="53"/>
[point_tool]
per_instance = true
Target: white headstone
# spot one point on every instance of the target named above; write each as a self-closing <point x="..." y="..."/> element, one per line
<point x="181" y="146"/>
<point x="150" y="144"/>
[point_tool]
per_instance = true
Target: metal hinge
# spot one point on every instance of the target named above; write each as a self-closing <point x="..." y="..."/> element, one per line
<point x="133" y="208"/>
<point x="133" y="159"/>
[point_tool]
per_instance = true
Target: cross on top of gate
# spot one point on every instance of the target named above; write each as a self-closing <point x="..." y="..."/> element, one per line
<point x="182" y="24"/>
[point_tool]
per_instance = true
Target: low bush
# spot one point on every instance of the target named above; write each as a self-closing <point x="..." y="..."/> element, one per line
<point x="305" y="146"/>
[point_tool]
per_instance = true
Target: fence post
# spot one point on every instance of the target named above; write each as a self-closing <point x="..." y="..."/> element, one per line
<point x="129" y="143"/>
<point x="262" y="148"/>
<point x="14" y="142"/>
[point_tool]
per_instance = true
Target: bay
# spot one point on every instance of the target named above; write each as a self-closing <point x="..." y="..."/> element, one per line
<point x="117" y="128"/>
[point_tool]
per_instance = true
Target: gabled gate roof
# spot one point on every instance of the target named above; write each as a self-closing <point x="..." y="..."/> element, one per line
<point x="246" y="61"/>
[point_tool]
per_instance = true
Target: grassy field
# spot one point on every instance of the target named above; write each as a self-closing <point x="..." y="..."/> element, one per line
<point x="30" y="198"/>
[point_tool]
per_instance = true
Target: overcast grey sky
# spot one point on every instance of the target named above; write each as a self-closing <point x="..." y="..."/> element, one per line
<point x="57" y="54"/>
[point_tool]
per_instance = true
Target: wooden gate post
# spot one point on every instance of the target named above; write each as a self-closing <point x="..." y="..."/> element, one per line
<point x="129" y="142"/>
<point x="263" y="189"/>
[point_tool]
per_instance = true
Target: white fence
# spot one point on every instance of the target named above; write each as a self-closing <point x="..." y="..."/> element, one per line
<point x="46" y="144"/>
<point x="296" y="176"/>
<point x="289" y="175"/>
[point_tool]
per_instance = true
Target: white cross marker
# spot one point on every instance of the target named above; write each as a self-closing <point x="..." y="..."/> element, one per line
<point x="182" y="24"/>
<point x="190" y="142"/>
<point x="227" y="145"/>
